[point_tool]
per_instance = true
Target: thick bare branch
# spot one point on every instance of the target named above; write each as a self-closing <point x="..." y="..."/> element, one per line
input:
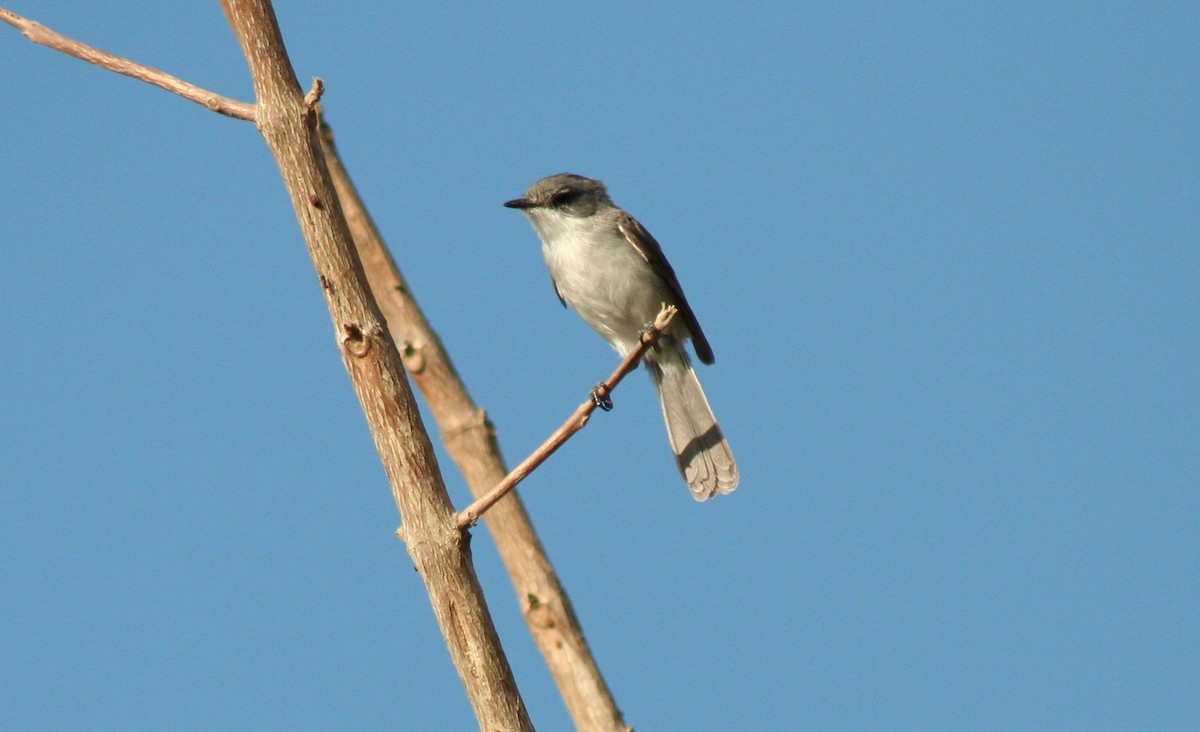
<point x="439" y="552"/>
<point x="470" y="440"/>
<point x="577" y="421"/>
<point x="42" y="35"/>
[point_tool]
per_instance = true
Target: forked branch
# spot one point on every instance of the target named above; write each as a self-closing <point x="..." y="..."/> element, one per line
<point x="470" y="440"/>
<point x="286" y="118"/>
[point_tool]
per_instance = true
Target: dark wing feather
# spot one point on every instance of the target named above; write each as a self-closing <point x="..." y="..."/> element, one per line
<point x="648" y="247"/>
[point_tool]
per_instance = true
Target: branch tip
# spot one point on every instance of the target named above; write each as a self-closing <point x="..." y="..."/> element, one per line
<point x="314" y="93"/>
<point x="665" y="315"/>
<point x="43" y="36"/>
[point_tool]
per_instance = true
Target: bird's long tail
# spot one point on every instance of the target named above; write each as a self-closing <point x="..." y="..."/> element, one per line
<point x="700" y="449"/>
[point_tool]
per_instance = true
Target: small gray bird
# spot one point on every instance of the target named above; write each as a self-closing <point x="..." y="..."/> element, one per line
<point x="606" y="266"/>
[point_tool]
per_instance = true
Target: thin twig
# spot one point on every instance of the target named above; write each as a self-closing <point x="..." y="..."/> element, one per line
<point x="42" y="35"/>
<point x="577" y="421"/>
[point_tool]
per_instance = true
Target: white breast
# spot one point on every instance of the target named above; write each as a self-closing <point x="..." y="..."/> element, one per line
<point x="601" y="276"/>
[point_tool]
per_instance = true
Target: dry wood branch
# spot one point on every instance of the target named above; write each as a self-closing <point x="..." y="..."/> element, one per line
<point x="288" y="124"/>
<point x="470" y="440"/>
<point x="577" y="421"/>
<point x="286" y="118"/>
<point x="42" y="35"/>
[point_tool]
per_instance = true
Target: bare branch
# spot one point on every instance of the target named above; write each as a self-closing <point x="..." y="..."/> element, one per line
<point x="440" y="554"/>
<point x="469" y="435"/>
<point x="577" y="421"/>
<point x="470" y="440"/>
<point x="42" y="35"/>
<point x="287" y="119"/>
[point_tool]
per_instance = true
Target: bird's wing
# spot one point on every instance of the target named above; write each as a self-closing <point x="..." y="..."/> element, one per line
<point x="649" y="249"/>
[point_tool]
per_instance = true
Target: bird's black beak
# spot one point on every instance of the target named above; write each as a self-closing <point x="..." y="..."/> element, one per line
<point x="519" y="203"/>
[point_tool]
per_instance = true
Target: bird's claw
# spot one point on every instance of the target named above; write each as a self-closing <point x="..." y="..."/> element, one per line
<point x="649" y="332"/>
<point x="600" y="397"/>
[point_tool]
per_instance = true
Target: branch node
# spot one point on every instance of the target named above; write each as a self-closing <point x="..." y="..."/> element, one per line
<point x="356" y="342"/>
<point x="314" y="94"/>
<point x="413" y="358"/>
<point x="539" y="613"/>
<point x="477" y="420"/>
<point x="461" y="537"/>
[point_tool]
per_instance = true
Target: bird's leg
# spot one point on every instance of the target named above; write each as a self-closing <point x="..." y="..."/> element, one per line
<point x="600" y="396"/>
<point x="649" y="331"/>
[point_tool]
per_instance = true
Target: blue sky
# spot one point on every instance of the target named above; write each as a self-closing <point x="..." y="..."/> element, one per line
<point x="947" y="256"/>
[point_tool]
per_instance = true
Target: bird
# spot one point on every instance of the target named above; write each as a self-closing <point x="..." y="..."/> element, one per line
<point x="608" y="268"/>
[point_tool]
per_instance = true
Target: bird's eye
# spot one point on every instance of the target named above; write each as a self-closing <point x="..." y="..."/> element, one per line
<point x="565" y="198"/>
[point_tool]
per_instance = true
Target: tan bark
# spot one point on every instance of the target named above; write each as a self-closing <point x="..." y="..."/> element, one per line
<point x="471" y="442"/>
<point x="438" y="548"/>
<point x="439" y="551"/>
